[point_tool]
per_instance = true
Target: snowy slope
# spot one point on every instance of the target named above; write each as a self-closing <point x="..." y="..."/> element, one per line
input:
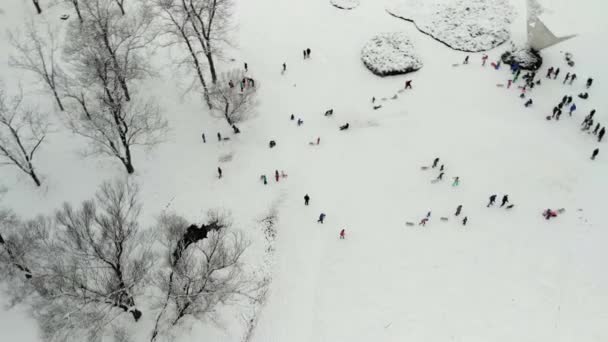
<point x="506" y="276"/>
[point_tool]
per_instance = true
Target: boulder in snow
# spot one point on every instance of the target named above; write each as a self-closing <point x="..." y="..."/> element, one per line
<point x="465" y="25"/>
<point x="345" y="4"/>
<point x="390" y="54"/>
<point x="528" y="59"/>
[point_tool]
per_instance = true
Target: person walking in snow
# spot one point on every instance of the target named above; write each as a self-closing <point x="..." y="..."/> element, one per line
<point x="528" y="103"/>
<point x="458" y="210"/>
<point x="566" y="78"/>
<point x="408" y="84"/>
<point x="276" y="175"/>
<point x="601" y="134"/>
<point x="440" y="177"/>
<point x="300" y="122"/>
<point x="466" y="60"/>
<point x="589" y="82"/>
<point x="465" y="220"/>
<point x="594" y="154"/>
<point x="556" y="74"/>
<point x="572" y="78"/>
<point x="435" y="162"/>
<point x="306" y="199"/>
<point x="245" y="66"/>
<point x="505" y="200"/>
<point x="492" y="199"/>
<point x="284" y="67"/>
<point x="428" y="215"/>
<point x="219" y="172"/>
<point x="304" y="53"/>
<point x="509" y="82"/>
<point x="264" y="179"/>
<point x="204" y="140"/>
<point x="321" y="218"/>
<point x="456" y="181"/>
<point x="555" y="109"/>
<point x="597" y="128"/>
<point x="549" y="72"/>
<point x="569" y="101"/>
<point x="342" y="234"/>
<point x="441" y="168"/>
<point x="423" y="221"/>
<point x="318" y="140"/>
<point x="292" y="117"/>
<point x="307" y="52"/>
<point x="484" y="59"/>
<point x="572" y="108"/>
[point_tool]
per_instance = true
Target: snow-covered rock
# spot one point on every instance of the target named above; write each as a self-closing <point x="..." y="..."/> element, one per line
<point x="466" y="25"/>
<point x="526" y="58"/>
<point x="390" y="54"/>
<point x="345" y="4"/>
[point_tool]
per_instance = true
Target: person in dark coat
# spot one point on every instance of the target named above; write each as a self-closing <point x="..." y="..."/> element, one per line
<point x="344" y="127"/>
<point x="466" y="60"/>
<point x="492" y="200"/>
<point x="219" y="172"/>
<point x="284" y="67"/>
<point x="203" y="136"/>
<point x="304" y="53"/>
<point x="458" y="210"/>
<point x="549" y="72"/>
<point x="572" y="78"/>
<point x="601" y="134"/>
<point x="589" y="82"/>
<point x="306" y="199"/>
<point x="594" y="154"/>
<point x="300" y="122"/>
<point x="528" y="103"/>
<point x="505" y="200"/>
<point x="440" y="177"/>
<point x="566" y="78"/>
<point x="308" y="53"/>
<point x="465" y="220"/>
<point x="435" y="162"/>
<point x="276" y="175"/>
<point x="245" y="66"/>
<point x="597" y="128"/>
<point x="556" y="73"/>
<point x="321" y="218"/>
<point x="408" y="84"/>
<point x="292" y="117"/>
<point x="219" y="136"/>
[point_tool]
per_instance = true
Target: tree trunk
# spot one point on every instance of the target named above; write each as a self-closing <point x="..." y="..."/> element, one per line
<point x="226" y="113"/>
<point x="211" y="67"/>
<point x="34" y="177"/>
<point x="58" y="100"/>
<point x="37" y="5"/>
<point x="128" y="165"/>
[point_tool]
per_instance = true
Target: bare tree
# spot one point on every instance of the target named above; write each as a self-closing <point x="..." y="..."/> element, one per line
<point x="22" y="132"/>
<point x="37" y="52"/>
<point x="84" y="267"/>
<point x="116" y="41"/>
<point x="234" y="97"/>
<point x="176" y="24"/>
<point x="204" y="269"/>
<point x="37" y="5"/>
<point x="210" y="21"/>
<point x="115" y="126"/>
<point x="102" y="66"/>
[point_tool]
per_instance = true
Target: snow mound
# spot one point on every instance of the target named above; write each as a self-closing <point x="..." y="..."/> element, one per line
<point x="345" y="4"/>
<point x="527" y="59"/>
<point x="465" y="25"/>
<point x="390" y="54"/>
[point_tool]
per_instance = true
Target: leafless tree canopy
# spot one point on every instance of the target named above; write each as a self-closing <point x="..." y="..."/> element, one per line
<point x="85" y="266"/>
<point x="22" y="132"/>
<point x="203" y="269"/>
<point x="202" y="27"/>
<point x="37" y="51"/>
<point x="234" y="96"/>
<point x="107" y="56"/>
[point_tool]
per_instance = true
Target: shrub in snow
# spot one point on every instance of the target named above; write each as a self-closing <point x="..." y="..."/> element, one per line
<point x="527" y="58"/>
<point x="465" y="25"/>
<point x="345" y="4"/>
<point x="390" y="54"/>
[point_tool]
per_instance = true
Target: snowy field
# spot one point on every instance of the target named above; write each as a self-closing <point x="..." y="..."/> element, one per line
<point x="508" y="275"/>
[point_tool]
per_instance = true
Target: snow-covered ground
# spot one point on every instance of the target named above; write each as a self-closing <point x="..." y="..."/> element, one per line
<point x="506" y="276"/>
<point x="465" y="25"/>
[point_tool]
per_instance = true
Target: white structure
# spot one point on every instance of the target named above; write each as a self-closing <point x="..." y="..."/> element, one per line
<point x="539" y="36"/>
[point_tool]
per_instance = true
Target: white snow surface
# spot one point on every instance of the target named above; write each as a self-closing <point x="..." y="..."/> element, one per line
<point x="390" y="54"/>
<point x="507" y="276"/>
<point x="345" y="4"/>
<point x="465" y="25"/>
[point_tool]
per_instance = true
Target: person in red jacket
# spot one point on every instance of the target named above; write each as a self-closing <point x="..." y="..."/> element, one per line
<point x="342" y="234"/>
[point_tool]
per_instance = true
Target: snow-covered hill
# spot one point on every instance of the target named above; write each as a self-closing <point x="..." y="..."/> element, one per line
<point x="507" y="275"/>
